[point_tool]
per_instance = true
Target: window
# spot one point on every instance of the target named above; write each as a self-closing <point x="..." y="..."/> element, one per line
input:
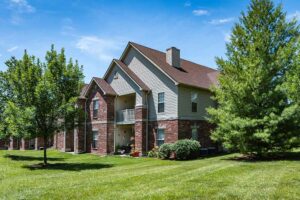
<point x="95" y="108"/>
<point x="194" y="98"/>
<point x="195" y="133"/>
<point x="160" y="137"/>
<point x="95" y="140"/>
<point x="161" y="102"/>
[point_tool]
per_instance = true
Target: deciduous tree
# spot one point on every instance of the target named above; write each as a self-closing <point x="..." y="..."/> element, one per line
<point x="39" y="98"/>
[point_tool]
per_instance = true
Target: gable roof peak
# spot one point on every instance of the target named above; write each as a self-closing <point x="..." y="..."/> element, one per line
<point x="189" y="73"/>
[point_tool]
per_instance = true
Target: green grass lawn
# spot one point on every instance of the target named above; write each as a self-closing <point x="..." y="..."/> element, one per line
<point x="88" y="176"/>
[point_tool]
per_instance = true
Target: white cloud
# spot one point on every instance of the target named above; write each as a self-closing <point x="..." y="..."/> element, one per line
<point x="67" y="27"/>
<point x="12" y="49"/>
<point x="103" y="49"/>
<point x="294" y="15"/>
<point x="200" y="12"/>
<point x="21" y="6"/>
<point x="221" y="21"/>
<point x="227" y="37"/>
<point x="187" y="4"/>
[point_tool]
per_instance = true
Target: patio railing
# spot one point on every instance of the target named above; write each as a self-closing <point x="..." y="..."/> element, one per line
<point x="126" y="116"/>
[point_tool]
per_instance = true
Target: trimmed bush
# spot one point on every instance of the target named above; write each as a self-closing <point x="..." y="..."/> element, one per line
<point x="186" y="149"/>
<point x="153" y="153"/>
<point x="165" y="150"/>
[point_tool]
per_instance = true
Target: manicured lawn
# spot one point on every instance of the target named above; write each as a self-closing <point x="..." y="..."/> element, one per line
<point x="92" y="177"/>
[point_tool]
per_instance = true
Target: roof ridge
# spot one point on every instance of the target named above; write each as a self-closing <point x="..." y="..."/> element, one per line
<point x="146" y="47"/>
<point x="182" y="59"/>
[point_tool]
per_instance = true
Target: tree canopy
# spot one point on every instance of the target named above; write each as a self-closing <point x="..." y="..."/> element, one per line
<point x="258" y="92"/>
<point x="38" y="98"/>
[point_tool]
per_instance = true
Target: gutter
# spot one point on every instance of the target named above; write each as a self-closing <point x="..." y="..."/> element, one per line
<point x="147" y="122"/>
<point x="85" y="113"/>
<point x="115" y="122"/>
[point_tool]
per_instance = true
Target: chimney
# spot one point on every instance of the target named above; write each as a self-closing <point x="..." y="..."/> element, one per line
<point x="173" y="57"/>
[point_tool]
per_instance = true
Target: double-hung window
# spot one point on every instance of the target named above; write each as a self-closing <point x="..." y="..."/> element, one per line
<point x="161" y="102"/>
<point x="195" y="133"/>
<point x="194" y="100"/>
<point x="95" y="108"/>
<point x="160" y="137"/>
<point x="95" y="140"/>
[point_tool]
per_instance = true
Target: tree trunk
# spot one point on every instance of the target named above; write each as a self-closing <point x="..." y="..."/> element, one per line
<point x="45" y="149"/>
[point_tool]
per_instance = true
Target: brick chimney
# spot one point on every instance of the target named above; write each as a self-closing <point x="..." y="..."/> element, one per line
<point x="173" y="57"/>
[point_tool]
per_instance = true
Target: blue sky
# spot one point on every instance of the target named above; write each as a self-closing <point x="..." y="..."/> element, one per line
<point x="94" y="32"/>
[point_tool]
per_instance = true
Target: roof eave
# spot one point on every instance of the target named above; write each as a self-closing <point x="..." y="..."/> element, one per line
<point x="194" y="86"/>
<point x="105" y="93"/>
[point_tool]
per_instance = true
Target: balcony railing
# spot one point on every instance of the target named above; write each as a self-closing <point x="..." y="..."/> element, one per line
<point x="125" y="116"/>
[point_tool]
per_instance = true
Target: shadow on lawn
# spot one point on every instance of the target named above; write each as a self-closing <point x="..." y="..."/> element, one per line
<point x="282" y="156"/>
<point x="68" y="166"/>
<point x="30" y="158"/>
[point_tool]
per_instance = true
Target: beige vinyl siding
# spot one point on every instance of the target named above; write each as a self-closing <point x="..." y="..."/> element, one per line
<point x="185" y="106"/>
<point x="157" y="82"/>
<point x="124" y="85"/>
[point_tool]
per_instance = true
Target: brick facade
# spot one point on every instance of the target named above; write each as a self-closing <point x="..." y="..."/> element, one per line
<point x="24" y="144"/>
<point x="170" y="128"/>
<point x="181" y="129"/>
<point x="14" y="143"/>
<point x="58" y="141"/>
<point x="203" y="131"/>
<point x="103" y="123"/>
<point x="39" y="143"/>
<point x="140" y="127"/>
<point x="4" y="143"/>
<point x="79" y="131"/>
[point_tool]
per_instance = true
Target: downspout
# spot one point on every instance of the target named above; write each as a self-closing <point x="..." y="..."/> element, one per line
<point x="65" y="140"/>
<point x="115" y="122"/>
<point x="147" y="128"/>
<point x="85" y="113"/>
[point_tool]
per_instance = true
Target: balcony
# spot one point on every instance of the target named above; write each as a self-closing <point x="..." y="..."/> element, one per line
<point x="125" y="116"/>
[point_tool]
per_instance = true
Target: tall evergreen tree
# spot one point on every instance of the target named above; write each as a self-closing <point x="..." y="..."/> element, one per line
<point x="39" y="98"/>
<point x="257" y="110"/>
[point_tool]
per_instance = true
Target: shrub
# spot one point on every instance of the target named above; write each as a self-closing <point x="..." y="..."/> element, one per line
<point x="153" y="153"/>
<point x="186" y="149"/>
<point x="165" y="150"/>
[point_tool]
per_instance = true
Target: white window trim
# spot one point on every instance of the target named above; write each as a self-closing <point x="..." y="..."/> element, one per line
<point x="194" y="101"/>
<point x="156" y="138"/>
<point x="164" y="102"/>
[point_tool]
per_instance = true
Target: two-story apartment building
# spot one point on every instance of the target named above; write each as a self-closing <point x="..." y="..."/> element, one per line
<point x="147" y="97"/>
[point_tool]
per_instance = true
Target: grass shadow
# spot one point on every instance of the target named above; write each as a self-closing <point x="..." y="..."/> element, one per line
<point x="280" y="156"/>
<point x="68" y="166"/>
<point x="30" y="158"/>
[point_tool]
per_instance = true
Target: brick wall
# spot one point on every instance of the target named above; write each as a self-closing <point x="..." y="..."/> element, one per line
<point x="39" y="142"/>
<point x="203" y="130"/>
<point x="4" y="143"/>
<point x="171" y="131"/>
<point x="79" y="131"/>
<point x="14" y="143"/>
<point x="58" y="139"/>
<point x="181" y="129"/>
<point x="140" y="128"/>
<point x="24" y="144"/>
<point x="103" y="123"/>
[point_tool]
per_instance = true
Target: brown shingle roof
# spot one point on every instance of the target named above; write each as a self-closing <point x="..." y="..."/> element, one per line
<point x="190" y="74"/>
<point x="105" y="87"/>
<point x="132" y="75"/>
<point x="82" y="92"/>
